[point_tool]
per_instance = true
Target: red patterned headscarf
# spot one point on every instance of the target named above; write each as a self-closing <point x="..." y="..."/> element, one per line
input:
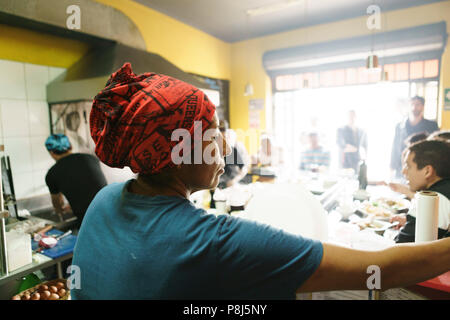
<point x="133" y="117"/>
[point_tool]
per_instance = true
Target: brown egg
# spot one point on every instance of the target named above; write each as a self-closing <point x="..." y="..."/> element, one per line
<point x="17" y="297"/>
<point x="53" y="289"/>
<point x="62" y="292"/>
<point x="54" y="296"/>
<point x="36" y="296"/>
<point x="45" y="295"/>
<point x="43" y="287"/>
<point x="26" y="296"/>
<point x="60" y="285"/>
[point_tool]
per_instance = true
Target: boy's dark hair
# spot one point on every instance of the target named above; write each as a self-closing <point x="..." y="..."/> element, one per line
<point x="422" y="100"/>
<point x="432" y="152"/>
<point x="440" y="135"/>
<point x="416" y="137"/>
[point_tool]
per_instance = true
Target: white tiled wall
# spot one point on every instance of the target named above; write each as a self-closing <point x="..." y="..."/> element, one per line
<point x="24" y="123"/>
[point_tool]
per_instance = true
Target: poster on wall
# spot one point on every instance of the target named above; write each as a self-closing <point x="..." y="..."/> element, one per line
<point x="72" y="119"/>
<point x="254" y="119"/>
<point x="256" y="104"/>
<point x="255" y="107"/>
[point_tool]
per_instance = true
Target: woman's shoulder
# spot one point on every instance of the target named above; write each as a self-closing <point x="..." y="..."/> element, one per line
<point x="109" y="191"/>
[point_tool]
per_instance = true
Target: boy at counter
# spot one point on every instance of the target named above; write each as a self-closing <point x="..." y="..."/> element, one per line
<point x="76" y="176"/>
<point x="426" y="166"/>
<point x="403" y="188"/>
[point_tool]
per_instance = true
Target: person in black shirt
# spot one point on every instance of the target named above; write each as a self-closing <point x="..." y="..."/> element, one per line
<point x="414" y="124"/>
<point x="77" y="176"/>
<point x="400" y="187"/>
<point x="236" y="163"/>
<point x="427" y="167"/>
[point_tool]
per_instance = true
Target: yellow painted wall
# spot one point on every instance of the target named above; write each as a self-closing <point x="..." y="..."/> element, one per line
<point x="33" y="47"/>
<point x="246" y="56"/>
<point x="188" y="48"/>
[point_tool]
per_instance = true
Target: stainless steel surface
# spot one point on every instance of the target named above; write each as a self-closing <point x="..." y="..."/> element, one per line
<point x="98" y="22"/>
<point x="35" y="204"/>
<point x="88" y="76"/>
<point x="30" y="225"/>
<point x="49" y="214"/>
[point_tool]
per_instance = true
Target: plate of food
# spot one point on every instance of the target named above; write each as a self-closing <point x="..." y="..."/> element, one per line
<point x="369" y="209"/>
<point x="395" y="205"/>
<point x="376" y="225"/>
<point x="384" y="208"/>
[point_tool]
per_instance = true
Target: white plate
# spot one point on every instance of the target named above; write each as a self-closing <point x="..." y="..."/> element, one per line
<point x="379" y="226"/>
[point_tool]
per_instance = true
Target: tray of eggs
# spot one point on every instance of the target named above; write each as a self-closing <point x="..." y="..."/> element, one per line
<point x="50" y="290"/>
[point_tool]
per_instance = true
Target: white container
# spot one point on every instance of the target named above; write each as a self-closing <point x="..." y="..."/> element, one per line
<point x="221" y="207"/>
<point x="427" y="216"/>
<point x="220" y="199"/>
<point x="19" y="249"/>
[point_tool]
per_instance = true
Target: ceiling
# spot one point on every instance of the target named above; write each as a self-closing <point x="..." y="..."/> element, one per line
<point x="228" y="20"/>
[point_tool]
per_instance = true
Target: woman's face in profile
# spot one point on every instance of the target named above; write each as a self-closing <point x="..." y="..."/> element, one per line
<point x="206" y="175"/>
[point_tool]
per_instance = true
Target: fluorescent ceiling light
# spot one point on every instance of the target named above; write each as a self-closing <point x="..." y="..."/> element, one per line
<point x="273" y="8"/>
<point x="355" y="56"/>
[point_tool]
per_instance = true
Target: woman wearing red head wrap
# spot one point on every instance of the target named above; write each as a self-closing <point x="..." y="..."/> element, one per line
<point x="132" y="121"/>
<point x="143" y="239"/>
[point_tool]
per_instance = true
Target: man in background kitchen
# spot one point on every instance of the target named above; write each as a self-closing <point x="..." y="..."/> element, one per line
<point x="426" y="167"/>
<point x="414" y="124"/>
<point x="236" y="163"/>
<point x="351" y="140"/>
<point x="77" y="176"/>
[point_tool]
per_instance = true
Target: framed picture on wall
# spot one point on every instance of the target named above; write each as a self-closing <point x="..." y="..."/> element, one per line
<point x="218" y="91"/>
<point x="72" y="119"/>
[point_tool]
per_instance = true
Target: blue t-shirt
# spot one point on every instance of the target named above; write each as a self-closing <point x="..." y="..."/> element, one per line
<point x="133" y="246"/>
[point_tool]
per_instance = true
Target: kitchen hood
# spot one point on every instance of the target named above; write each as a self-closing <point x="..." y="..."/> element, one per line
<point x="84" y="79"/>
